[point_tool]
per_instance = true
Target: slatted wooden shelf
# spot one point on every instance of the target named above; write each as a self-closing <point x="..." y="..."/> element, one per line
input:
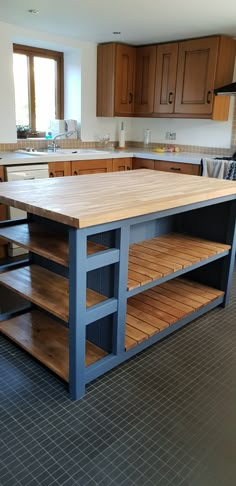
<point x="151" y="311"/>
<point x="44" y="241"/>
<point x="46" y="340"/>
<point x="153" y="259"/>
<point x="45" y="289"/>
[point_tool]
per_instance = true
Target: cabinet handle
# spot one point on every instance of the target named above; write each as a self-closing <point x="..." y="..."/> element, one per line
<point x="170" y="101"/>
<point x="75" y="172"/>
<point x="51" y="174"/>
<point x="209" y="97"/>
<point x="0" y="179"/>
<point x="130" y="98"/>
<point x="175" y="168"/>
<point x="128" y="168"/>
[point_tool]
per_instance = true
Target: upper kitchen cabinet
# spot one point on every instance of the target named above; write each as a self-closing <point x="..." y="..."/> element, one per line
<point x="115" y="79"/>
<point x="165" y="80"/>
<point x="203" y="65"/>
<point x="144" y="80"/>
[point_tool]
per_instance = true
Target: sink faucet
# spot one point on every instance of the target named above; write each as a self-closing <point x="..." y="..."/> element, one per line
<point x="53" y="145"/>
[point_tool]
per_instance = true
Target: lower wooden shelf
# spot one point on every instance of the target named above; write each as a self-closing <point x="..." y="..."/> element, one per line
<point x="154" y="310"/>
<point x="46" y="340"/>
<point x="148" y="313"/>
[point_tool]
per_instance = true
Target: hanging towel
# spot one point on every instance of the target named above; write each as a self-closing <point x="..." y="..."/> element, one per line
<point x="231" y="171"/>
<point x="214" y="168"/>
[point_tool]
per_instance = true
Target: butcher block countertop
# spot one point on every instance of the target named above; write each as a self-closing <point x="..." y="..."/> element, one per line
<point x="101" y="198"/>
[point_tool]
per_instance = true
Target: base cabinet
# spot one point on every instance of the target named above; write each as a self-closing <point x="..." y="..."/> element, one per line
<point x="83" y="167"/>
<point x="122" y="164"/>
<point x="177" y="167"/>
<point x="143" y="163"/>
<point x="59" y="169"/>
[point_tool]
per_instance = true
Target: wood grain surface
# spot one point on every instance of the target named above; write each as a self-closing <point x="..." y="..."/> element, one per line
<point x="101" y="198"/>
<point x="45" y="289"/>
<point x="158" y="308"/>
<point x="46" y="340"/>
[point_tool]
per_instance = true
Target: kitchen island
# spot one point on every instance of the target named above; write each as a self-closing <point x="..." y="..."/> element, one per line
<point x="116" y="262"/>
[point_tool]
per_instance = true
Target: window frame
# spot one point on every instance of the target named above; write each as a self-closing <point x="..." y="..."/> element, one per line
<point x="32" y="52"/>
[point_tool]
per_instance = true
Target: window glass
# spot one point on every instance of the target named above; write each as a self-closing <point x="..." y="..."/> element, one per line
<point x="45" y="91"/>
<point x="20" y="70"/>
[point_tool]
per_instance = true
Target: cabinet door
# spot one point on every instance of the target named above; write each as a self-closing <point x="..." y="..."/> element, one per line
<point x="59" y="169"/>
<point x="196" y="76"/>
<point x="3" y="217"/>
<point x="122" y="164"/>
<point x="177" y="167"/>
<point x="83" y="167"/>
<point x="142" y="163"/>
<point x="124" y="80"/>
<point x="144" y="80"/>
<point x="165" y="80"/>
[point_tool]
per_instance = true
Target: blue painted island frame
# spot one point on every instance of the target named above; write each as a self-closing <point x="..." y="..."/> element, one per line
<point x="107" y="273"/>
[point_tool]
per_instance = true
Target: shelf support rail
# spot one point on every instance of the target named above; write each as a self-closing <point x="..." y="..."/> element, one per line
<point x="77" y="311"/>
<point x="120" y="289"/>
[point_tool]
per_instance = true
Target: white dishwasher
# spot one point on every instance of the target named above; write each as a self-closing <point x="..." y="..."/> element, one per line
<point x="22" y="173"/>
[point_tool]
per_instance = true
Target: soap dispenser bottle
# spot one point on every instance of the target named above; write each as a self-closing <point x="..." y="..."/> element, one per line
<point x="122" y="136"/>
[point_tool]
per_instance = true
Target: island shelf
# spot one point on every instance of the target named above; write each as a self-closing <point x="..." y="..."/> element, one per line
<point x="112" y="271"/>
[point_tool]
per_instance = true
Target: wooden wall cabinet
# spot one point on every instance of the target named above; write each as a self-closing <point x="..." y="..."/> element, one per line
<point x="122" y="164"/>
<point x="83" y="167"/>
<point x="165" y="78"/>
<point x="171" y="80"/>
<point x="145" y="80"/>
<point x="59" y="169"/>
<point x="115" y="79"/>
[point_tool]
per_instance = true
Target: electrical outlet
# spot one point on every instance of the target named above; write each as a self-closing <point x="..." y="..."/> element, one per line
<point x="170" y="135"/>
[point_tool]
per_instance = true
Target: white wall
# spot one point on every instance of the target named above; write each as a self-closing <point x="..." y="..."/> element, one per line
<point x="206" y="133"/>
<point x="7" y="94"/>
<point x="80" y="97"/>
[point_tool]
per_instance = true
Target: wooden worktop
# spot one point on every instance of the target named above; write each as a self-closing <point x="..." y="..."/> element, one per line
<point x="101" y="198"/>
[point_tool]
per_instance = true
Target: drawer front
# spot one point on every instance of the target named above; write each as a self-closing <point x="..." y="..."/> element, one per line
<point x="143" y="163"/>
<point x="83" y="167"/>
<point x="177" y="167"/>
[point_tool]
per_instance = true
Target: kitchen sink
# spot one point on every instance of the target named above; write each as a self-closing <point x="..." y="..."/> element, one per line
<point x="80" y="151"/>
<point x="62" y="152"/>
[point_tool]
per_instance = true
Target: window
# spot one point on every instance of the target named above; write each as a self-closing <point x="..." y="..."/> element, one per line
<point x="38" y="78"/>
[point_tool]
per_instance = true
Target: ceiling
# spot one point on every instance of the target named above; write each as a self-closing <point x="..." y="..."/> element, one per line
<point x="139" y="22"/>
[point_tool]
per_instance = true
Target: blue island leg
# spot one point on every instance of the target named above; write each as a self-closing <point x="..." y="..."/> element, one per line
<point x="77" y="312"/>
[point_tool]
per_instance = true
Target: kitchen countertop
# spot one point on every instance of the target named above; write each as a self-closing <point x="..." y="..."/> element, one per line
<point x="111" y="197"/>
<point x="15" y="158"/>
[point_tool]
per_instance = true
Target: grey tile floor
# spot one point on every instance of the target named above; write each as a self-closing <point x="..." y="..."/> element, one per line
<point x="165" y="418"/>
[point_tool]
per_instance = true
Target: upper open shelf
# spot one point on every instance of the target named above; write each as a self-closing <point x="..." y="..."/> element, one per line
<point x="48" y="243"/>
<point x="45" y="289"/>
<point x="154" y="259"/>
<point x="149" y="260"/>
